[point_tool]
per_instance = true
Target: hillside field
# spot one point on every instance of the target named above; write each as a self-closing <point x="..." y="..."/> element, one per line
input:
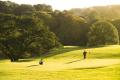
<point x="102" y="63"/>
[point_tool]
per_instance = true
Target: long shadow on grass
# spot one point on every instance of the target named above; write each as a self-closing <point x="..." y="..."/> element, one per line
<point x="88" y="68"/>
<point x="61" y="51"/>
<point x="32" y="65"/>
<point x="73" y="61"/>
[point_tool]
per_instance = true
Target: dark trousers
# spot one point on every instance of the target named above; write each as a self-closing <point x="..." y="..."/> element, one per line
<point x="84" y="56"/>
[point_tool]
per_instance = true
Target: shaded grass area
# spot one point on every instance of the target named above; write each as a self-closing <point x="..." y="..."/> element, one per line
<point x="62" y="50"/>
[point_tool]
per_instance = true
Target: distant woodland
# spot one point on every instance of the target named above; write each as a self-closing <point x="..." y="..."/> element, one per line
<point x="31" y="30"/>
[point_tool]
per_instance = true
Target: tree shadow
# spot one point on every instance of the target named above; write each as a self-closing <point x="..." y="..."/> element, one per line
<point x="32" y="65"/>
<point x="88" y="68"/>
<point x="73" y="61"/>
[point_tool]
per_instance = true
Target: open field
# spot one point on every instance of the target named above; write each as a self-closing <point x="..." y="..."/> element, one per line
<point x="102" y="63"/>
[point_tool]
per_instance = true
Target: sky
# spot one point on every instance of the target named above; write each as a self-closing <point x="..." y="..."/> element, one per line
<point x="68" y="4"/>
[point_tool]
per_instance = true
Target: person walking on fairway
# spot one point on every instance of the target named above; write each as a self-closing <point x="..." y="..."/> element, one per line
<point x="84" y="54"/>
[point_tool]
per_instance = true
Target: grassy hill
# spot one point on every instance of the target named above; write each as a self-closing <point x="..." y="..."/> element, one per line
<point x="75" y="52"/>
<point x="102" y="63"/>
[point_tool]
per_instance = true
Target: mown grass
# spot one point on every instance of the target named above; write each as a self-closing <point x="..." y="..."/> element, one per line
<point x="111" y="51"/>
<point x="67" y="63"/>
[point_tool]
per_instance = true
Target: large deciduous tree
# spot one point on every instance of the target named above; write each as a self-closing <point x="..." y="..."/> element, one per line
<point x="21" y="35"/>
<point x="102" y="33"/>
<point x="116" y="23"/>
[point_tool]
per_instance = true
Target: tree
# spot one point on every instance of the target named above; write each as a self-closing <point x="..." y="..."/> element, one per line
<point x="3" y="7"/>
<point x="21" y="35"/>
<point x="7" y="7"/>
<point x="43" y="8"/>
<point x="102" y="33"/>
<point x="92" y="16"/>
<point x="116" y="23"/>
<point x="7" y="34"/>
<point x="24" y="9"/>
<point x="70" y="29"/>
<point x="46" y="17"/>
<point x="44" y="13"/>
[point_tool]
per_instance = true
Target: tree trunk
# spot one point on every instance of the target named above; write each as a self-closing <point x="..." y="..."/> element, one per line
<point x="12" y="58"/>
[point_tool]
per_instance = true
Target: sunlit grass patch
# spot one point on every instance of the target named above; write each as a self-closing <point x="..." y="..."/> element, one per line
<point x="101" y="64"/>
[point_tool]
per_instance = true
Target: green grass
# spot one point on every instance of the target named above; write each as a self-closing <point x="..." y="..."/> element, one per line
<point x="103" y="63"/>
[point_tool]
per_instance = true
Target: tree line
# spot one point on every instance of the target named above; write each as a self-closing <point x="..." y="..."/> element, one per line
<point x="32" y="30"/>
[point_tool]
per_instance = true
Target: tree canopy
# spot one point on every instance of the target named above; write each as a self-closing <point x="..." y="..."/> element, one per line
<point x="24" y="35"/>
<point x="70" y="29"/>
<point x="102" y="33"/>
